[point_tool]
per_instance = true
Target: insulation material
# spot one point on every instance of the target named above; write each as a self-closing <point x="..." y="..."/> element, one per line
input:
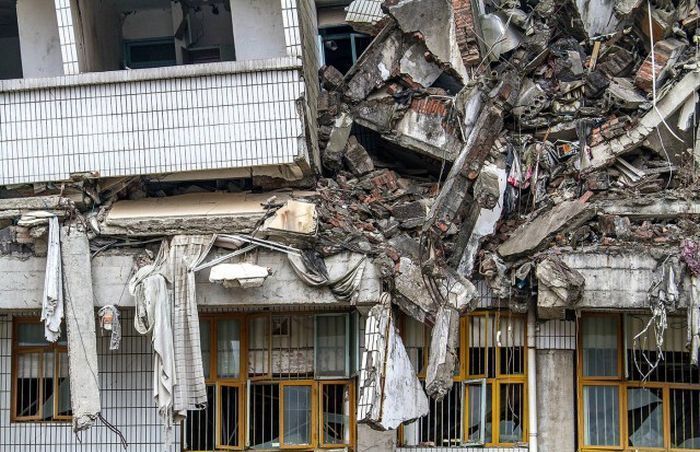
<point x="390" y="392"/>
<point x="80" y="323"/>
<point x="52" y="308"/>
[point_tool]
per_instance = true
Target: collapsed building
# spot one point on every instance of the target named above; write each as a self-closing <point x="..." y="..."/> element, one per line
<point x="232" y="225"/>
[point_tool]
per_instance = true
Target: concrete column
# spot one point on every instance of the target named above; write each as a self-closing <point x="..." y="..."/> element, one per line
<point x="556" y="400"/>
<point x="38" y="36"/>
<point x="369" y="440"/>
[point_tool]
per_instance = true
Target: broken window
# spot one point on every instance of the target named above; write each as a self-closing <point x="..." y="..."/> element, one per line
<point x="492" y="348"/>
<point x="281" y="401"/>
<point x="341" y="46"/>
<point x="41" y="390"/>
<point x="10" y="55"/>
<point x="654" y="403"/>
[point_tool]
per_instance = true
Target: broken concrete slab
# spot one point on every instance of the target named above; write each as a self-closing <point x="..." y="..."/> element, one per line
<point x="390" y="392"/>
<point x="444" y="346"/>
<point x="415" y="65"/>
<point x="666" y="54"/>
<point x="413" y="296"/>
<point x="533" y="235"/>
<point x="560" y="279"/>
<point x="668" y="206"/>
<point x="243" y="275"/>
<point x="356" y="158"/>
<point x="606" y="153"/>
<point x="434" y="20"/>
<point x="294" y="217"/>
<point x="332" y="155"/>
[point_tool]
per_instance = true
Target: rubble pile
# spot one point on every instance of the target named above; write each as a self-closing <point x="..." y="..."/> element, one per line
<point x="541" y="125"/>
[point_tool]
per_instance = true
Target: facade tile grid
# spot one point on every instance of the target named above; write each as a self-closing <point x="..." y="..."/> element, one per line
<point x="145" y="127"/>
<point x="66" y="37"/>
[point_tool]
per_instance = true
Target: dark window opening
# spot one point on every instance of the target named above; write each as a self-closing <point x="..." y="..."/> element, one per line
<point x="265" y="414"/>
<point x="10" y="54"/>
<point x="342" y="46"/>
<point x="200" y="425"/>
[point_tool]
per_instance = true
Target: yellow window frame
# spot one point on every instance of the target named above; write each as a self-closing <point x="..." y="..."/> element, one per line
<point x="17" y="350"/>
<point x="623" y="385"/>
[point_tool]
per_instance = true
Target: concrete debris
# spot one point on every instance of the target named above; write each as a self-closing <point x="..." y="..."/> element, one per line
<point x="365" y="16"/>
<point x="444" y="345"/>
<point x="390" y="392"/>
<point x="243" y="275"/>
<point x="666" y="55"/>
<point x="559" y="278"/>
<point x="294" y="217"/>
<point x="52" y="300"/>
<point x="80" y="326"/>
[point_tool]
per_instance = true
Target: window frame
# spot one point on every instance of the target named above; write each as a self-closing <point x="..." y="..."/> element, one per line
<point x="463" y="377"/>
<point x="244" y="382"/>
<point x="56" y="349"/>
<point x="623" y="384"/>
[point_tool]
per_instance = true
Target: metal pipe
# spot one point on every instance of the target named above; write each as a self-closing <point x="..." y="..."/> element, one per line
<point x="532" y="379"/>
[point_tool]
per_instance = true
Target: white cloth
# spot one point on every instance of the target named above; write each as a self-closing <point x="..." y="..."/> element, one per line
<point x="52" y="300"/>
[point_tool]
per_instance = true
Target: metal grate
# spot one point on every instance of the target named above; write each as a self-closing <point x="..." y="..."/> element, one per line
<point x="556" y="335"/>
<point x="127" y="400"/>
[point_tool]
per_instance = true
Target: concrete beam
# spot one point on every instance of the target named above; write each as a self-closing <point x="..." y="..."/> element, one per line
<point x="22" y="284"/>
<point x="616" y="279"/>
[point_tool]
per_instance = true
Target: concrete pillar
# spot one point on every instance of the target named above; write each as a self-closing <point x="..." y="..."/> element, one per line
<point x="369" y="440"/>
<point x="257" y="29"/>
<point x="556" y="400"/>
<point x="38" y="36"/>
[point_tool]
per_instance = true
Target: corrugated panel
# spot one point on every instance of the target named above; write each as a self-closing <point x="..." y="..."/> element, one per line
<point x="143" y="126"/>
<point x="556" y="335"/>
<point x="127" y="401"/>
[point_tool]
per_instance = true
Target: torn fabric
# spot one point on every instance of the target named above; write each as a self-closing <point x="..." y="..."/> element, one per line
<point x="81" y="328"/>
<point x="52" y="300"/>
<point x="109" y="321"/>
<point x="153" y="315"/>
<point x="186" y="252"/>
<point x="343" y="287"/>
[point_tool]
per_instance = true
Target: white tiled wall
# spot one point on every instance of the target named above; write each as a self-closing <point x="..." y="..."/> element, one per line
<point x="126" y="396"/>
<point x="66" y="36"/>
<point x="132" y="127"/>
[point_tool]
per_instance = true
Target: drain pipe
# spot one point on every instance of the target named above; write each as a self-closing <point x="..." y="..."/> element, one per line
<point x="532" y="379"/>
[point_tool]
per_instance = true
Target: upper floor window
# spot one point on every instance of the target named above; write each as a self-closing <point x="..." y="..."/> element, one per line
<point x="630" y="396"/>
<point x="275" y="381"/>
<point x="487" y="403"/>
<point x="341" y="46"/>
<point x="10" y="55"/>
<point x="40" y="383"/>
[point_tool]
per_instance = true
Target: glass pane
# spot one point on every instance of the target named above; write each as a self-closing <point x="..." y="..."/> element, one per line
<point x="64" y="404"/>
<point x="297" y="415"/>
<point x="685" y="418"/>
<point x="477" y="345"/>
<point x="228" y="352"/>
<point x="479" y="401"/>
<point x="414" y="339"/>
<point x="230" y="416"/>
<point x="258" y="346"/>
<point x="27" y="398"/>
<point x="645" y="417"/>
<point x="601" y="416"/>
<point x="205" y="344"/>
<point x="47" y="386"/>
<point x="32" y="334"/>
<point x="600" y="346"/>
<point x="200" y="425"/>
<point x="442" y="426"/>
<point x="510" y="427"/>
<point x="293" y="346"/>
<point x="331" y="345"/>
<point x="642" y="353"/>
<point x="264" y="415"/>
<point x="511" y="345"/>
<point x="336" y="414"/>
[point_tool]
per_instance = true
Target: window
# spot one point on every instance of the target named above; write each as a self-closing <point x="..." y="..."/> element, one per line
<point x="41" y="388"/>
<point x="630" y="398"/>
<point x="274" y="381"/>
<point x="491" y="373"/>
<point x="341" y="46"/>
